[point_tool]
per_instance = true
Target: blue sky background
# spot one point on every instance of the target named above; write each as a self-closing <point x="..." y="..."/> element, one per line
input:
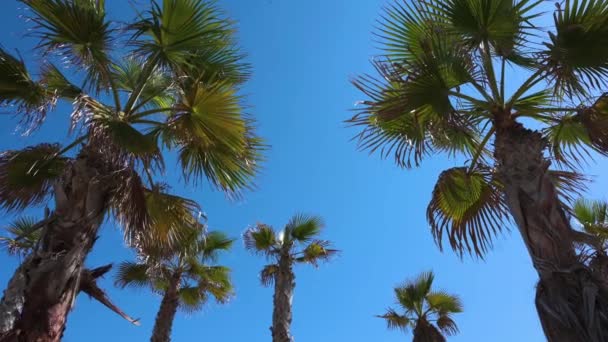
<point x="303" y="53"/>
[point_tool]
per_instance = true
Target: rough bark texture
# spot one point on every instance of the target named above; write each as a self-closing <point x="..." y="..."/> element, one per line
<point x="166" y="313"/>
<point x="42" y="291"/>
<point x="426" y="332"/>
<point x="283" y="294"/>
<point x="571" y="297"/>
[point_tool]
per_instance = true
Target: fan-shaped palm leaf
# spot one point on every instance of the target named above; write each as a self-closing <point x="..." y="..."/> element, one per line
<point x="26" y="176"/>
<point x="577" y="54"/>
<point x="18" y="89"/>
<point x="213" y="243"/>
<point x="317" y="251"/>
<point x="133" y="275"/>
<point x="268" y="274"/>
<point x="396" y="321"/>
<point x="24" y="234"/>
<point x="303" y="228"/>
<point x="261" y="239"/>
<point x="468" y="206"/>
<point x="79" y="30"/>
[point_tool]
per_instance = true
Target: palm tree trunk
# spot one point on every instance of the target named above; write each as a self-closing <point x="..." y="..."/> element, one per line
<point x="166" y="313"/>
<point x="571" y="298"/>
<point x="283" y="294"/>
<point x="41" y="293"/>
<point x="426" y="332"/>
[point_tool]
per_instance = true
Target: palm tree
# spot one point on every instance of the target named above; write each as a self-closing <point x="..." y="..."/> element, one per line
<point x="442" y="89"/>
<point x="186" y="279"/>
<point x="427" y="312"/>
<point x="297" y="243"/>
<point x="167" y="82"/>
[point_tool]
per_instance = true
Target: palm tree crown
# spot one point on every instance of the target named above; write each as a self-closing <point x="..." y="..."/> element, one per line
<point x="167" y="82"/>
<point x="199" y="277"/>
<point x="424" y="308"/>
<point x="298" y="242"/>
<point x="442" y="89"/>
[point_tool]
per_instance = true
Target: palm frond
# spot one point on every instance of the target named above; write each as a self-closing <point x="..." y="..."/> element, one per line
<point x="447" y="325"/>
<point x="268" y="274"/>
<point x="58" y="84"/>
<point x="215" y="140"/>
<point x="156" y="92"/>
<point x="26" y="176"/>
<point x="303" y="228"/>
<point x="188" y="35"/>
<point x="317" y="251"/>
<point x="568" y="141"/>
<point x="19" y="91"/>
<point x="577" y="53"/>
<point x="261" y="239"/>
<point x="504" y="24"/>
<point x="133" y="275"/>
<point x="396" y="321"/>
<point x="192" y="299"/>
<point x="215" y="280"/>
<point x="213" y="243"/>
<point x="78" y="30"/>
<point x="443" y="302"/>
<point x="595" y="121"/>
<point x="593" y="216"/>
<point x="24" y="233"/>
<point x="469" y="207"/>
<point x="569" y="185"/>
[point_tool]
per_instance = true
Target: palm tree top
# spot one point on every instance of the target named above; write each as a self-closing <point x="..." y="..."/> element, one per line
<point x="421" y="304"/>
<point x="195" y="265"/>
<point x="166" y="82"/>
<point x="298" y="241"/>
<point x="441" y="89"/>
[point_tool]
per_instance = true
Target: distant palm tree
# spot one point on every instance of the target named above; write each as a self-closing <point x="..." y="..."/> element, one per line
<point x="186" y="279"/>
<point x="428" y="313"/>
<point x="296" y="244"/>
<point x="442" y="89"/>
<point x="166" y="81"/>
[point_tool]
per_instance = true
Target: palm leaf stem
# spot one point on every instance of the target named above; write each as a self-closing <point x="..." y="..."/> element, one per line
<point x="141" y="82"/>
<point x="487" y="64"/>
<point x="482" y="146"/>
<point x="527" y="85"/>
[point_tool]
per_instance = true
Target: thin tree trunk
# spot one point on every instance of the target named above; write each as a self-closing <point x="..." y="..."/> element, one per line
<point x="166" y="313"/>
<point x="41" y="293"/>
<point x="571" y="298"/>
<point x="283" y="294"/>
<point x="426" y="332"/>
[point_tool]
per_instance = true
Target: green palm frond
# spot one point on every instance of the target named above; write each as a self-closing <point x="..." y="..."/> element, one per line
<point x="469" y="207"/>
<point x="261" y="239"/>
<point x="268" y="274"/>
<point x="503" y="24"/>
<point x="58" y="84"/>
<point x="593" y="216"/>
<point x="215" y="280"/>
<point x="396" y="321"/>
<point x="214" y="138"/>
<point x="191" y="299"/>
<point x="569" y="142"/>
<point x="577" y="54"/>
<point x="317" y="251"/>
<point x="133" y="275"/>
<point x="156" y="93"/>
<point x="181" y="33"/>
<point x="24" y="233"/>
<point x="303" y="228"/>
<point x="444" y="302"/>
<point x="18" y="89"/>
<point x="213" y="243"/>
<point x="409" y="113"/>
<point x="79" y="31"/>
<point x="26" y="176"/>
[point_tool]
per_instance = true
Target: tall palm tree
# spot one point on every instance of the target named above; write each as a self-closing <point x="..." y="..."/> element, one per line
<point x="167" y="82"/>
<point x="186" y="279"/>
<point x="442" y="89"/>
<point x="428" y="313"/>
<point x="297" y="243"/>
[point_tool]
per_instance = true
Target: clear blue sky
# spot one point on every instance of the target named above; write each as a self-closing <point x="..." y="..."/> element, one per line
<point x="303" y="53"/>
